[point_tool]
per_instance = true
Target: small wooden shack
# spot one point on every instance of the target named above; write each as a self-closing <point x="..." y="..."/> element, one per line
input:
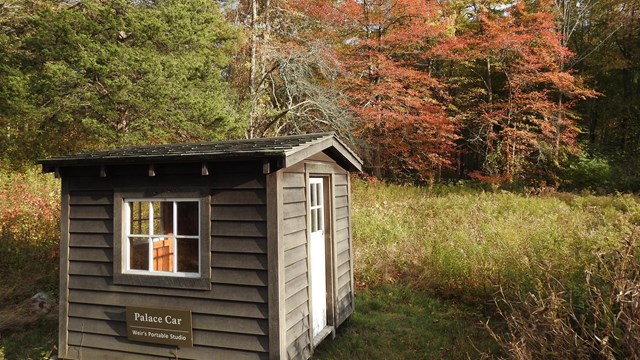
<point x="226" y="250"/>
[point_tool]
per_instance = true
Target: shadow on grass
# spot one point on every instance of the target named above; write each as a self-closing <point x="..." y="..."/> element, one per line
<point x="35" y="342"/>
<point x="394" y="322"/>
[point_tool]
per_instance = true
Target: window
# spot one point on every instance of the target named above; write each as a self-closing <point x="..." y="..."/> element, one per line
<point x="164" y="238"/>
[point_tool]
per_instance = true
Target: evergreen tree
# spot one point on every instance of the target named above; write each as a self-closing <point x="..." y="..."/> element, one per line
<point x="97" y="73"/>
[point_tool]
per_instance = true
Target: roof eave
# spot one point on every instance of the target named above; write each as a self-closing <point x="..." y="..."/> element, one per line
<point x="340" y="153"/>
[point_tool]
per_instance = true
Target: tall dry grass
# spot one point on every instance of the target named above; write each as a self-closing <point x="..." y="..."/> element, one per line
<point x="461" y="242"/>
<point x="563" y="270"/>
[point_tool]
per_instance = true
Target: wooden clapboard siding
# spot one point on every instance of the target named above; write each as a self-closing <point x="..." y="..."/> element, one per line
<point x="93" y="346"/>
<point x="81" y="312"/>
<point x="209" y="338"/>
<point x="299" y="344"/>
<point x="229" y="321"/>
<point x="259" y="270"/>
<point x="296" y="281"/>
<point x="344" y="252"/>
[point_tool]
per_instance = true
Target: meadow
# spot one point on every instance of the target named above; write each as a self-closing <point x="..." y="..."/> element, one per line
<point x="453" y="271"/>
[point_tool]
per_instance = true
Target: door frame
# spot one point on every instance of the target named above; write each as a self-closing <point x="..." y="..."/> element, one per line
<point x="327" y="184"/>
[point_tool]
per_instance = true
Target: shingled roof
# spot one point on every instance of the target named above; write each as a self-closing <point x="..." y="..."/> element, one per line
<point x="288" y="150"/>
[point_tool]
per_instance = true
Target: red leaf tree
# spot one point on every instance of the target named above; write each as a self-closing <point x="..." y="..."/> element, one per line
<point x="403" y="122"/>
<point x="512" y="95"/>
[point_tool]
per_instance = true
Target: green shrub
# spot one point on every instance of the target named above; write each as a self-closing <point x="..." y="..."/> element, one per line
<point x="29" y="234"/>
<point x="589" y="172"/>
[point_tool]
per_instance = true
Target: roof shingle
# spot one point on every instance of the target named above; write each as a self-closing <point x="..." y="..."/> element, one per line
<point x="284" y="147"/>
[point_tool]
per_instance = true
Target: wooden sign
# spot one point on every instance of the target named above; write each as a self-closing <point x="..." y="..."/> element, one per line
<point x="159" y="326"/>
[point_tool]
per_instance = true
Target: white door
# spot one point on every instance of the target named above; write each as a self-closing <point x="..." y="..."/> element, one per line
<point x="318" y="256"/>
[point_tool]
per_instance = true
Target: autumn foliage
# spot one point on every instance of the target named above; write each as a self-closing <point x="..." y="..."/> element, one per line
<point x="29" y="227"/>
<point x="401" y="106"/>
<point x="479" y="88"/>
<point x="514" y="99"/>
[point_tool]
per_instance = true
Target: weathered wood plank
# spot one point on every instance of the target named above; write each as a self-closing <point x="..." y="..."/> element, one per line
<point x="91" y="226"/>
<point x="239" y="261"/>
<point x="239" y="277"/>
<point x="342" y="235"/>
<point x="91" y="198"/>
<point x="340" y="190"/>
<point x="91" y="254"/>
<point x="206" y="338"/>
<point x="218" y="292"/>
<point x="97" y="312"/>
<point x="294" y="225"/>
<point x="342" y="213"/>
<point x="344" y="313"/>
<point x="231" y="341"/>
<point x="297" y="330"/>
<point x="295" y="285"/>
<point x="298" y="299"/>
<point x="295" y="239"/>
<point x="93" y="346"/>
<point x="341" y="179"/>
<point x="344" y="268"/>
<point x="91" y="212"/>
<point x="204" y="306"/>
<point x="91" y="240"/>
<point x="344" y="280"/>
<point x="293" y="180"/>
<point x="231" y="324"/>
<point x="92" y="326"/>
<point x="199" y="321"/>
<point x="300" y="349"/>
<point x="342" y="224"/>
<point x="294" y="209"/>
<point x="293" y="195"/>
<point x="295" y="255"/>
<point x="298" y="314"/>
<point x="294" y="270"/>
<point x="342" y="245"/>
<point x="90" y="268"/>
<point x="238" y="197"/>
<point x="276" y="267"/>
<point x="345" y="290"/>
<point x="321" y="157"/>
<point x="246" y="180"/>
<point x="239" y="212"/>
<point x="341" y="201"/>
<point x="252" y="245"/>
<point x="239" y="228"/>
<point x="343" y="257"/>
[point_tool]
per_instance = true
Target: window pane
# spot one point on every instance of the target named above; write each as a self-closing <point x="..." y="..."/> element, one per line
<point x="139" y="217"/>
<point x="139" y="253"/>
<point x="188" y="218"/>
<point x="319" y="194"/>
<point x="314" y="220"/>
<point x="163" y="254"/>
<point x="162" y="217"/>
<point x="313" y="194"/>
<point x="188" y="255"/>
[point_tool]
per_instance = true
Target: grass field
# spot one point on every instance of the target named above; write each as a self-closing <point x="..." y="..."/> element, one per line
<point x="433" y="265"/>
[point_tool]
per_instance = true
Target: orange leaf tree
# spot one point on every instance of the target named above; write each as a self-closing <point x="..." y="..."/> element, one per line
<point x="403" y="122"/>
<point x="511" y="93"/>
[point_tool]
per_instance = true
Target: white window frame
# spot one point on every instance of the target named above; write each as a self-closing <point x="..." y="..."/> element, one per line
<point x="151" y="237"/>
<point x="161" y="279"/>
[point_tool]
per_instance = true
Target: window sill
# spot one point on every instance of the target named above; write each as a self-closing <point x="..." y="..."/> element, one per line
<point x="175" y="282"/>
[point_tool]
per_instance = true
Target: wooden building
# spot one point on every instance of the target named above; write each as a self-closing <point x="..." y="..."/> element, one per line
<point x="249" y="239"/>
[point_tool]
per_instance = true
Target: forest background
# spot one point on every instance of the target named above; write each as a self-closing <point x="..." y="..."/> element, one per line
<point x="478" y="111"/>
<point x="530" y="93"/>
